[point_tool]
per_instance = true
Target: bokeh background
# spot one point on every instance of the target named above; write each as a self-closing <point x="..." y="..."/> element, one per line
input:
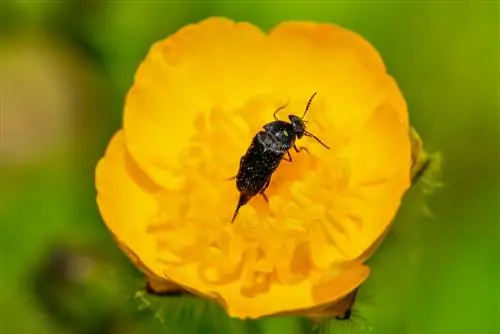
<point x="65" y="67"/>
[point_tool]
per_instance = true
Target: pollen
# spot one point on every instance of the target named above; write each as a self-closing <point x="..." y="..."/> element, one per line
<point x="165" y="187"/>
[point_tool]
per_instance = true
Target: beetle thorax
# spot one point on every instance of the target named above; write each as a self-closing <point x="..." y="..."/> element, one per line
<point x="285" y="138"/>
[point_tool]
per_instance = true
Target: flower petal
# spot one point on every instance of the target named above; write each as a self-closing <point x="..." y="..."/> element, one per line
<point x="126" y="202"/>
<point x="185" y="76"/>
<point x="380" y="160"/>
<point x="345" y="70"/>
<point x="126" y="198"/>
<point x="299" y="297"/>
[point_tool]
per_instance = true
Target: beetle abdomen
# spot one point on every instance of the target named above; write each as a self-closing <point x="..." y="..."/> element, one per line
<point x="258" y="164"/>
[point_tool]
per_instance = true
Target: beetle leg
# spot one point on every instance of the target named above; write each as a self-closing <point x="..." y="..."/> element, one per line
<point x="300" y="149"/>
<point x="265" y="186"/>
<point x="289" y="157"/>
<point x="262" y="192"/>
<point x="274" y="115"/>
<point x="277" y="110"/>
<point x="232" y="178"/>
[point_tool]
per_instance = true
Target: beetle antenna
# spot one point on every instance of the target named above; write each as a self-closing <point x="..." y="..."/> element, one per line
<point x="308" y="134"/>
<point x="308" y="104"/>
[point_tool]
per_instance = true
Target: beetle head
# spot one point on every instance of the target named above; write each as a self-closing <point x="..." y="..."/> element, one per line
<point x="299" y="126"/>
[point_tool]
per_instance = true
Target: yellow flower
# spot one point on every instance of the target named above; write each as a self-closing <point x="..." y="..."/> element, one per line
<point x="198" y="99"/>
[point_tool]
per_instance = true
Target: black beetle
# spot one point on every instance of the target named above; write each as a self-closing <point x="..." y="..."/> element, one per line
<point x="265" y="153"/>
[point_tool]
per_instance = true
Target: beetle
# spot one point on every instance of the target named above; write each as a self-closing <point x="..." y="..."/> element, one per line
<point x="265" y="153"/>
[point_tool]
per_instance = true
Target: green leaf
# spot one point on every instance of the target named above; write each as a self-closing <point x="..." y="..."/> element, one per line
<point x="185" y="314"/>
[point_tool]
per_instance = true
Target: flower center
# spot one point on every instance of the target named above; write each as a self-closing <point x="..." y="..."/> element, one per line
<point x="283" y="239"/>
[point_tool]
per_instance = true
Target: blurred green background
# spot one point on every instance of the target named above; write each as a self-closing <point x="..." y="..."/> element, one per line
<point x="65" y="67"/>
